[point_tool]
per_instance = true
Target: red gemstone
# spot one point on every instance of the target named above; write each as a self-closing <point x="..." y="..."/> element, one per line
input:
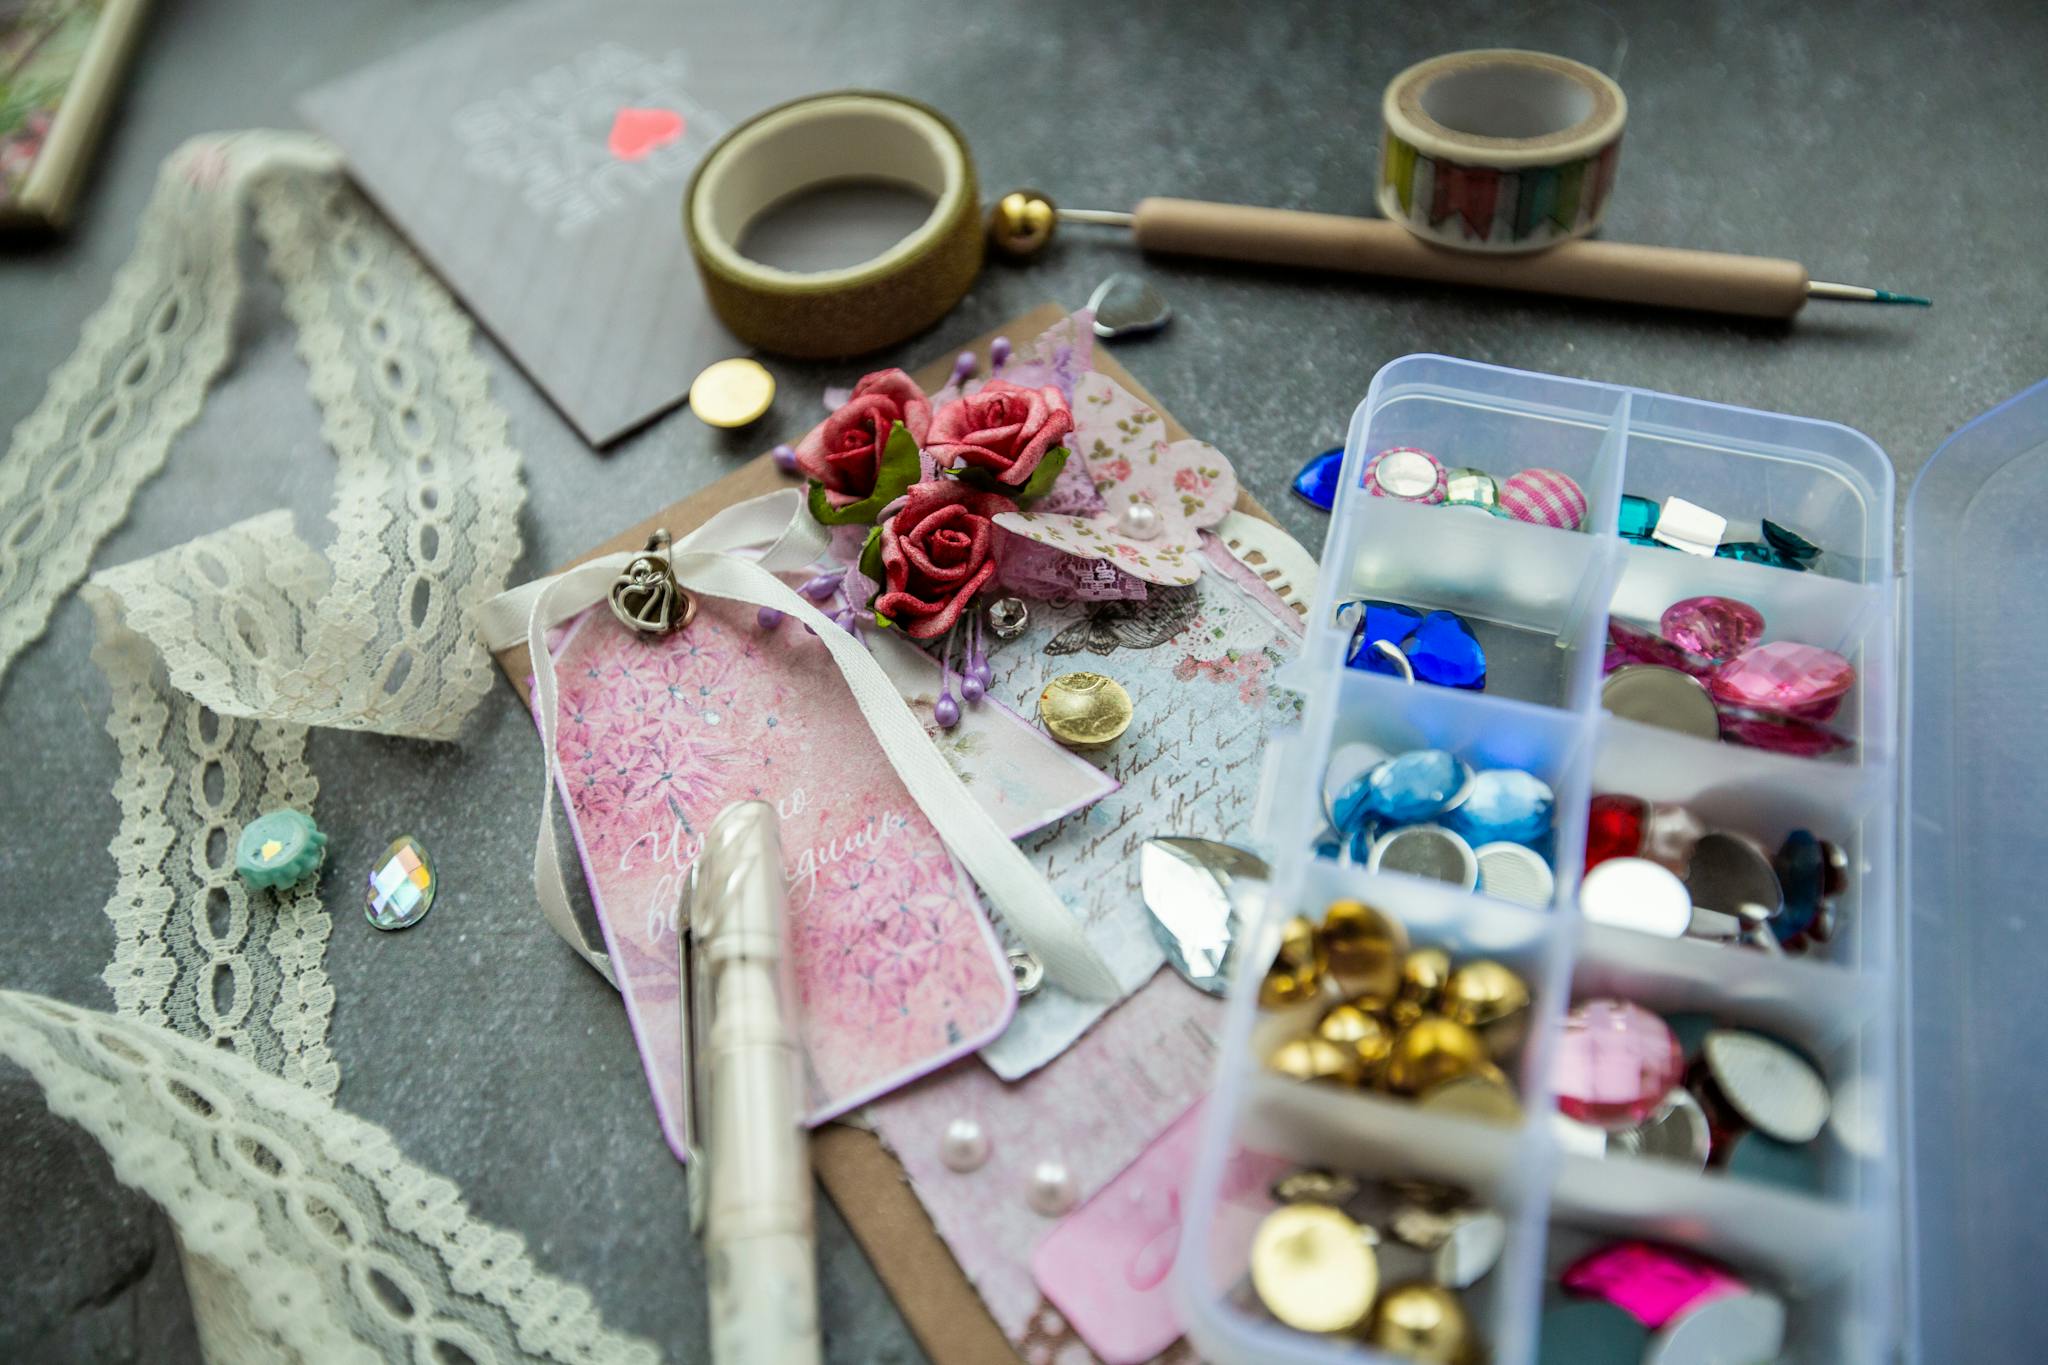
<point x="1783" y="677"/>
<point x="1718" y="627"/>
<point x="1614" y="828"/>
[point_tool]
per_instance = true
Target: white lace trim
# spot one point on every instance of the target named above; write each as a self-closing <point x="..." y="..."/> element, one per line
<point x="308" y="1234"/>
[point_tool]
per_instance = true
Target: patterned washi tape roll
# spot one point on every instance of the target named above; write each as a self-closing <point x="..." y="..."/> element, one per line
<point x="850" y="135"/>
<point x="1499" y="150"/>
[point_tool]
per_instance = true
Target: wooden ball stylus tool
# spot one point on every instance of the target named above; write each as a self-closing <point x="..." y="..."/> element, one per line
<point x="1023" y="222"/>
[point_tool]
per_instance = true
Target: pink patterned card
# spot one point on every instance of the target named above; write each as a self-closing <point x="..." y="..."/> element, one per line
<point x="896" y="966"/>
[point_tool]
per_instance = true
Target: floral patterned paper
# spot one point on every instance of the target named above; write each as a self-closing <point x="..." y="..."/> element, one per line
<point x="897" y="968"/>
<point x="1189" y="483"/>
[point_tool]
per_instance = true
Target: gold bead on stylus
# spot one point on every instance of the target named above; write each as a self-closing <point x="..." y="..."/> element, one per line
<point x="1431" y="1051"/>
<point x="1364" y="1034"/>
<point x="1364" y="947"/>
<point x="1490" y="1000"/>
<point x="1315" y="1059"/>
<point x="1022" y="223"/>
<point x="1425" y="1322"/>
<point x="1084" y="710"/>
<point x="1423" y="973"/>
<point x="1314" y="1269"/>
<point x="1297" y="971"/>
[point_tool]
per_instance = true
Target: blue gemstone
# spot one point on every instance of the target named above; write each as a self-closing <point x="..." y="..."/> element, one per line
<point x="1802" y="874"/>
<point x="1444" y="651"/>
<point x="1419" y="785"/>
<point x="1380" y="621"/>
<point x="1316" y="484"/>
<point x="1354" y="803"/>
<point x="1506" y="805"/>
<point x="1638" y="517"/>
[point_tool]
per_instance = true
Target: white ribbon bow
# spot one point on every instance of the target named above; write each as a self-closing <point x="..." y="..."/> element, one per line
<point x="704" y="562"/>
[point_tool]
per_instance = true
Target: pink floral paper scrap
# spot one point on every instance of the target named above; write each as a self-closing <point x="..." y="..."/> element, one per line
<point x="897" y="969"/>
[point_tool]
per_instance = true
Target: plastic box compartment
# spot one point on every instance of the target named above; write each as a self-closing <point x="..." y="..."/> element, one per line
<point x="1832" y="1251"/>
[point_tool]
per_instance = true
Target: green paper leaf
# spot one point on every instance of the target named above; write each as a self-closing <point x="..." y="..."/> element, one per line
<point x="884" y="622"/>
<point x="1040" y="482"/>
<point x="899" y="470"/>
<point x="871" y="556"/>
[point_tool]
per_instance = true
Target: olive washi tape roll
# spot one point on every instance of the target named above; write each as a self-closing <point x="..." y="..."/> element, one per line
<point x="846" y="136"/>
<point x="1499" y="149"/>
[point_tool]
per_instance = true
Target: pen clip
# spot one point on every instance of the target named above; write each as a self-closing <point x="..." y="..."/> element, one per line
<point x="688" y="996"/>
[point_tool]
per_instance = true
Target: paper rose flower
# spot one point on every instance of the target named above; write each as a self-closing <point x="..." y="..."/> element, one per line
<point x="1158" y="495"/>
<point x="936" y="553"/>
<point x="1001" y="428"/>
<point x="845" y="453"/>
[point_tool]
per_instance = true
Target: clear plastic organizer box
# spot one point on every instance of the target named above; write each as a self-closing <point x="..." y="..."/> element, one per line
<point x="1539" y="598"/>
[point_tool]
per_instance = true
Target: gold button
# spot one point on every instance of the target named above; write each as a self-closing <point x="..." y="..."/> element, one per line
<point x="1364" y="947"/>
<point x="1084" y="710"/>
<point x="732" y="393"/>
<point x="1313" y="1269"/>
<point x="1490" y="1000"/>
<point x="1431" y="1051"/>
<point x="1423" y="1322"/>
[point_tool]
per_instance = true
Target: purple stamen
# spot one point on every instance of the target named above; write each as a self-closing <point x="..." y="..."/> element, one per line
<point x="768" y="618"/>
<point x="999" y="353"/>
<point x="785" y="458"/>
<point x="963" y="368"/>
<point x="822" y="587"/>
<point x="945" y="710"/>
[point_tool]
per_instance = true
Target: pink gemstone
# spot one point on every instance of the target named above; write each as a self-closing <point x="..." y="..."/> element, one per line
<point x="1718" y="627"/>
<point x="1779" y="734"/>
<point x="1547" y="497"/>
<point x="1615" y="1064"/>
<point x="1783" y="677"/>
<point x="1629" y="643"/>
<point x="1652" y="1284"/>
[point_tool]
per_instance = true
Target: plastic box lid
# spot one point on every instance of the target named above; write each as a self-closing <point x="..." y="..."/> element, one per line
<point x="1976" y="787"/>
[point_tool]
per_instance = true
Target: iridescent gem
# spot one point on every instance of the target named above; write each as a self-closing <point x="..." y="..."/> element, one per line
<point x="1419" y="785"/>
<point x="1471" y="488"/>
<point x="1615" y="1063"/>
<point x="1406" y="473"/>
<point x="1615" y="828"/>
<point x="1545" y="497"/>
<point x="1783" y="678"/>
<point x="1653" y="1284"/>
<point x="402" y="887"/>
<point x="1671" y="835"/>
<point x="1717" y="627"/>
<point x="1746" y="1326"/>
<point x="279" y="848"/>
<point x="1316" y="482"/>
<point x="1638" y="517"/>
<point x="1507" y="805"/>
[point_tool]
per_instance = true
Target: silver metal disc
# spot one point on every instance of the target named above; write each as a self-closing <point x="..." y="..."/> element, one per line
<point x="1738" y="1329"/>
<point x="1405" y="474"/>
<point x="1427" y="851"/>
<point x="1471" y="1250"/>
<point x="1728" y="872"/>
<point x="1769" y="1084"/>
<point x="1515" y="872"/>
<point x="1679" y="1134"/>
<point x="1651" y="694"/>
<point x="1635" y="893"/>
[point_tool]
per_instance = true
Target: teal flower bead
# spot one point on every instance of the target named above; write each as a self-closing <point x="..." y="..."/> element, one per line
<point x="279" y="848"/>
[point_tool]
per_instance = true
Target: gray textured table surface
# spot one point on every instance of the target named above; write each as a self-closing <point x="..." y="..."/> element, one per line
<point x="1900" y="147"/>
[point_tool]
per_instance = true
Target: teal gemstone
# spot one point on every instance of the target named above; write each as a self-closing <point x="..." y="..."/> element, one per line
<point x="1638" y="517"/>
<point x="279" y="848"/>
<point x="1752" y="552"/>
<point x="1793" y="546"/>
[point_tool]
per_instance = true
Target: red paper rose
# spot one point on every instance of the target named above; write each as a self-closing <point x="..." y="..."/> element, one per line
<point x="1001" y="427"/>
<point x="844" y="452"/>
<point x="937" y="552"/>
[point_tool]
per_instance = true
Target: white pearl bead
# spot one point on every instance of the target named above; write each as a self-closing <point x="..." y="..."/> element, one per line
<point x="964" y="1147"/>
<point x="1141" y="521"/>
<point x="1053" y="1190"/>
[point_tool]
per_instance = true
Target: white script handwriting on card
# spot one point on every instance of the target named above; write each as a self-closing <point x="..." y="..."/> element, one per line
<point x="590" y="135"/>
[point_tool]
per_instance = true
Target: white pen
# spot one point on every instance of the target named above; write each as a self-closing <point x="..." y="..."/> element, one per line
<point x="750" y="1168"/>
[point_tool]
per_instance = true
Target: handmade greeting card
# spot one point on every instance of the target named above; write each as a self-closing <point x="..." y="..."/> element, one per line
<point x="538" y="160"/>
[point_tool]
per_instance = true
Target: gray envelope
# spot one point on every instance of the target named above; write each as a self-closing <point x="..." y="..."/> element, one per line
<point x="537" y="160"/>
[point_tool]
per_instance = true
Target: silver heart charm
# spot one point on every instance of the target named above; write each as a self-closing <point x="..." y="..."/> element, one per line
<point x="1125" y="305"/>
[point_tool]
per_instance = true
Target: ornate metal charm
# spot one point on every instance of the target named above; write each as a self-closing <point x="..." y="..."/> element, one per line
<point x="646" y="597"/>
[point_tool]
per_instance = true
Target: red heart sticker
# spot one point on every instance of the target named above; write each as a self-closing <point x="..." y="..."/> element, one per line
<point x="636" y="132"/>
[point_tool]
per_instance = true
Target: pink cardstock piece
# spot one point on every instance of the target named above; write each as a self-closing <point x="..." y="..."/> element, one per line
<point x="897" y="968"/>
<point x="1095" y="1107"/>
<point x="1653" y="1284"/>
<point x="1105" y="1266"/>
